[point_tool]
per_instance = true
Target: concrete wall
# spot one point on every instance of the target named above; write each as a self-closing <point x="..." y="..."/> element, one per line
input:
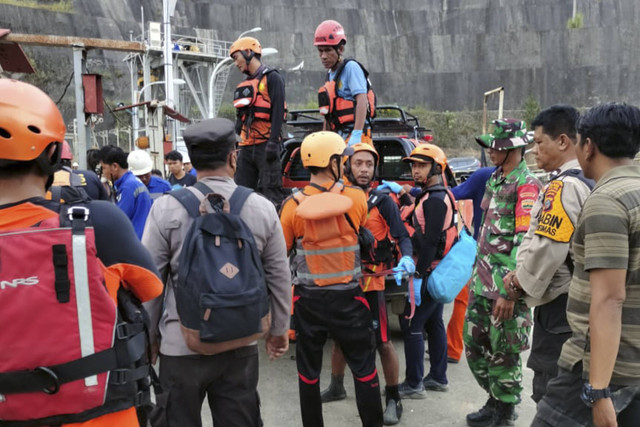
<point x="440" y="54"/>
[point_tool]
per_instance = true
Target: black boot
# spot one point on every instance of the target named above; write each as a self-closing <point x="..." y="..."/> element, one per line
<point x="335" y="391"/>
<point x="485" y="416"/>
<point x="505" y="414"/>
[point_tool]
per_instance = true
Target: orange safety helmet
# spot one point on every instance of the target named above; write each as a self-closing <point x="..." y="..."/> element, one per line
<point x="29" y="121"/>
<point x="360" y="147"/>
<point x="329" y="33"/>
<point x="318" y="148"/>
<point x="246" y="43"/>
<point x="423" y="152"/>
<point x="363" y="146"/>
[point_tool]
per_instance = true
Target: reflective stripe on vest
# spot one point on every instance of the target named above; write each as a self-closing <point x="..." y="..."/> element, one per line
<point x="328" y="253"/>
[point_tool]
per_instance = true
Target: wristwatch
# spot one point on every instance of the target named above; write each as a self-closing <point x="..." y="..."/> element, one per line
<point x="590" y="395"/>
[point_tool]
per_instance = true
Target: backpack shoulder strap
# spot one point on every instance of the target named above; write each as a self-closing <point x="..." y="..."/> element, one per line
<point x="375" y="198"/>
<point x="364" y="70"/>
<point x="56" y="193"/>
<point x="340" y="69"/>
<point x="188" y="200"/>
<point x="239" y="196"/>
<point x="577" y="173"/>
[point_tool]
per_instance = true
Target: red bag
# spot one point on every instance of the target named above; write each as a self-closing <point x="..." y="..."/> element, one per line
<point x="63" y="341"/>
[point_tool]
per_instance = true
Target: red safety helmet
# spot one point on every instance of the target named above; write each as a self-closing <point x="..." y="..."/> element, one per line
<point x="29" y="121"/>
<point x="329" y="33"/>
<point x="66" y="151"/>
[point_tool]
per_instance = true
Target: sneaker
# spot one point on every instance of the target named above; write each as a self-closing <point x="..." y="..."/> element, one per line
<point x="485" y="416"/>
<point x="431" y="384"/>
<point x="334" y="392"/>
<point x="409" y="392"/>
<point x="393" y="412"/>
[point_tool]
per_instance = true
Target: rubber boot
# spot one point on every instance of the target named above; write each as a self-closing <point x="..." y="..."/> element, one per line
<point x="505" y="414"/>
<point x="335" y="391"/>
<point x="485" y="416"/>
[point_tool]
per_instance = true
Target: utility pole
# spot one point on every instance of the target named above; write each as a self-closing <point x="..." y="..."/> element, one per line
<point x="168" y="6"/>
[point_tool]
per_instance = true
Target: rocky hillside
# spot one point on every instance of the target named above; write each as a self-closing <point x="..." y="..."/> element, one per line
<point x="436" y="54"/>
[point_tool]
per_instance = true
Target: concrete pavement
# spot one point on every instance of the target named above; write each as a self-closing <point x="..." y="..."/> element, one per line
<point x="280" y="405"/>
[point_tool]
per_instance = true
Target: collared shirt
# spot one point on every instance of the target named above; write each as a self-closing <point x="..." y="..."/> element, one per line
<point x="163" y="236"/>
<point x="352" y="81"/>
<point x="542" y="269"/>
<point x="607" y="237"/>
<point x="133" y="198"/>
<point x="507" y="204"/>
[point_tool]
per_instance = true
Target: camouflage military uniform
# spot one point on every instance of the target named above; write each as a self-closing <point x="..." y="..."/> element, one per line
<point x="492" y="346"/>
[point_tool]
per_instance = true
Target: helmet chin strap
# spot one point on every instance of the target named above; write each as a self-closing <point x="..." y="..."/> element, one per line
<point x="505" y="158"/>
<point x="247" y="58"/>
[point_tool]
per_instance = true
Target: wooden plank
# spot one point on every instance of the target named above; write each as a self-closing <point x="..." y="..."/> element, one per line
<point x="68" y="41"/>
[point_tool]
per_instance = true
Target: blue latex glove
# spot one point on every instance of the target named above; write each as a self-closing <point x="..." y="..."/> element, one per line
<point x="392" y="186"/>
<point x="355" y="137"/>
<point x="417" y="288"/>
<point x="407" y="264"/>
<point x="405" y="267"/>
<point x="398" y="276"/>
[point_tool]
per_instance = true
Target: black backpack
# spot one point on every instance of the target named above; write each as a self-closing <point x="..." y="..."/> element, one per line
<point x="221" y="294"/>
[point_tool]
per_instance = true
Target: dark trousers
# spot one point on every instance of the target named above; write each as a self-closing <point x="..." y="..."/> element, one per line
<point x="427" y="317"/>
<point x="229" y="381"/>
<point x="550" y="331"/>
<point x="345" y="315"/>
<point x="254" y="171"/>
<point x="562" y="406"/>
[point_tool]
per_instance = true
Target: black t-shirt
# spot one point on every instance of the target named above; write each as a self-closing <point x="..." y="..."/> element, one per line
<point x="186" y="181"/>
<point x="93" y="186"/>
<point x="116" y="241"/>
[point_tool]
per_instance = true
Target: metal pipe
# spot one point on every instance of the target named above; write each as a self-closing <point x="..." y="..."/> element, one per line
<point x="78" y="69"/>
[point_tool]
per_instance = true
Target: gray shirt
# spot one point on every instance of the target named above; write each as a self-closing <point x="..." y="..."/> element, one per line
<point x="164" y="233"/>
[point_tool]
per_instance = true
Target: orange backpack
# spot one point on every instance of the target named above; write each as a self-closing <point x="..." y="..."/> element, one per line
<point x="328" y="253"/>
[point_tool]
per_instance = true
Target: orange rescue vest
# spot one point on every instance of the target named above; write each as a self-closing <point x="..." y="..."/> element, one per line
<point x="449" y="233"/>
<point x="384" y="252"/>
<point x="253" y="109"/>
<point x="328" y="253"/>
<point x="338" y="111"/>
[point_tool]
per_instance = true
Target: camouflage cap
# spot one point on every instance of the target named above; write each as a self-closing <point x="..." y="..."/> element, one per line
<point x="507" y="135"/>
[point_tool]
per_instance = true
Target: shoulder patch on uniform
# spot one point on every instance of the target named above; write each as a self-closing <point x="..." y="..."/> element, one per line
<point x="553" y="221"/>
<point x="527" y="195"/>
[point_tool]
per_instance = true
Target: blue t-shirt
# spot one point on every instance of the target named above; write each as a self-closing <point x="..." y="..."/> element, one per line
<point x="133" y="198"/>
<point x="352" y="81"/>
<point x="158" y="185"/>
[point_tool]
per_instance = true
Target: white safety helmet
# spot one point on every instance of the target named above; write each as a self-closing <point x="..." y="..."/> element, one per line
<point x="139" y="162"/>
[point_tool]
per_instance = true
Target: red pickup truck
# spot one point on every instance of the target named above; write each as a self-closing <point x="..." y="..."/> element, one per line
<point x="395" y="134"/>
